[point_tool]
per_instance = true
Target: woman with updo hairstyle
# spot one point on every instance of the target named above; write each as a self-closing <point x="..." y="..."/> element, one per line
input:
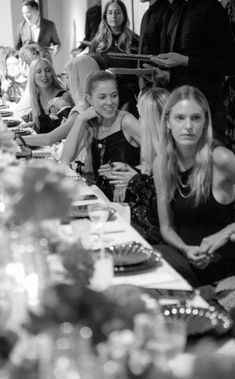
<point x="109" y="134"/>
<point x="141" y="192"/>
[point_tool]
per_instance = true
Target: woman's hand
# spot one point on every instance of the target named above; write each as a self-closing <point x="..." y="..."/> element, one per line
<point x="5" y="84"/>
<point x="89" y="114"/>
<point x="213" y="242"/>
<point x="196" y="257"/>
<point x="117" y="172"/>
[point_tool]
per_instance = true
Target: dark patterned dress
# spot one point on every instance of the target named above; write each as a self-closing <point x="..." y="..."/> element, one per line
<point x="142" y="198"/>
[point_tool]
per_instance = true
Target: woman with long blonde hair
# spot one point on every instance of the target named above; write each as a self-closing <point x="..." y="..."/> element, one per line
<point x="45" y="86"/>
<point x="196" y="190"/>
<point x="78" y="68"/>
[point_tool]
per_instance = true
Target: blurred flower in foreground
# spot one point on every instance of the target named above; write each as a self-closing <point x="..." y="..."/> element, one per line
<point x="8" y="146"/>
<point x="45" y="193"/>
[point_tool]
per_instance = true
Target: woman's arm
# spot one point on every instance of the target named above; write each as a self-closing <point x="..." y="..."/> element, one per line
<point x="131" y="128"/>
<point x="223" y="190"/>
<point x="224" y="165"/>
<point x="54" y="136"/>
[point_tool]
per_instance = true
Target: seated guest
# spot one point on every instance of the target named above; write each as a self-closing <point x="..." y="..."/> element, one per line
<point x="27" y="54"/>
<point x="107" y="133"/>
<point x="115" y="36"/>
<point x="141" y="193"/>
<point x="44" y="86"/>
<point x="77" y="70"/>
<point x="196" y="190"/>
<point x="13" y="82"/>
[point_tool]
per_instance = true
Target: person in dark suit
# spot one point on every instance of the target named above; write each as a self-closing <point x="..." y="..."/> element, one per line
<point x="93" y="19"/>
<point x="151" y="26"/>
<point x="196" y="49"/>
<point x="150" y="34"/>
<point x="36" y="29"/>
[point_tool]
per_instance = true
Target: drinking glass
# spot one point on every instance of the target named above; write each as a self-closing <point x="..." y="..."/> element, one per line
<point x="119" y="192"/>
<point x="169" y="339"/>
<point x="98" y="214"/>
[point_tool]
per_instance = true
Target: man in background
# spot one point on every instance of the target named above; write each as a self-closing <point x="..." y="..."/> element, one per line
<point x="196" y="49"/>
<point x="34" y="28"/>
<point x="150" y="34"/>
<point x="151" y="26"/>
<point x="93" y="18"/>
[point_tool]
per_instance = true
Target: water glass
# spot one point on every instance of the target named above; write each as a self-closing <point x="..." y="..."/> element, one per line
<point x="119" y="192"/>
<point x="169" y="339"/>
<point x="103" y="271"/>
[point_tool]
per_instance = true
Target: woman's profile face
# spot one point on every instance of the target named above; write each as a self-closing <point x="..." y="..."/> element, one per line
<point x="104" y="98"/>
<point x="186" y="122"/>
<point x="13" y="67"/>
<point x="43" y="75"/>
<point x="114" y="16"/>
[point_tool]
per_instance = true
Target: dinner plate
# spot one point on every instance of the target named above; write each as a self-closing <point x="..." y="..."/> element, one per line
<point x="11" y="122"/>
<point x="4" y="113"/>
<point x="81" y="211"/>
<point x="199" y="320"/>
<point x="23" y="131"/>
<point x="133" y="256"/>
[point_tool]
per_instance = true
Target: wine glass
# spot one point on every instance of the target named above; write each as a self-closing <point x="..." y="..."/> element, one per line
<point x="98" y="214"/>
<point x="169" y="339"/>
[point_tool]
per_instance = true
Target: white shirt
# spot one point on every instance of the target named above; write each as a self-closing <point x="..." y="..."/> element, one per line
<point x="35" y="30"/>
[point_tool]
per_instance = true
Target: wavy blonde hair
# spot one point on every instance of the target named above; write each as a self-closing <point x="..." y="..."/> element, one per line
<point x="34" y="90"/>
<point x="200" y="178"/>
<point x="78" y="68"/>
<point x="103" y="39"/>
<point x="150" y="107"/>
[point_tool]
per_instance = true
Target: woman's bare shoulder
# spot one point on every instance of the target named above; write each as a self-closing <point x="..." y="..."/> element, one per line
<point x="222" y="157"/>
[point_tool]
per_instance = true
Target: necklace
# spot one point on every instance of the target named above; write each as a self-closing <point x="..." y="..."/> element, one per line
<point x="185" y="196"/>
<point x="183" y="187"/>
<point x="105" y="129"/>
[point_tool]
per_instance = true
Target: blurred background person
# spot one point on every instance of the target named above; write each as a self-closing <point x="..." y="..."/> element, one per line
<point x="93" y="19"/>
<point x="34" y="28"/>
<point x="13" y="82"/>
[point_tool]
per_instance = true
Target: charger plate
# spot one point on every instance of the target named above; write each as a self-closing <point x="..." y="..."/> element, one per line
<point x="199" y="320"/>
<point x="4" y="113"/>
<point x="12" y="122"/>
<point x="133" y="257"/>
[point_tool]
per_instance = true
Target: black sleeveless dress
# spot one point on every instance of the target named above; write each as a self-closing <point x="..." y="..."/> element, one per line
<point x="193" y="223"/>
<point x="114" y="148"/>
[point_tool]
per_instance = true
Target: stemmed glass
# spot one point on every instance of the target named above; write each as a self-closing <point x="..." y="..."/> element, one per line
<point x="98" y="214"/>
<point x="103" y="262"/>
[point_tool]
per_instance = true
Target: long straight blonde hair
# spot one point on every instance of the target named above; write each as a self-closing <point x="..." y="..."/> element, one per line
<point x="34" y="90"/>
<point x="78" y="68"/>
<point x="201" y="175"/>
<point x="150" y="107"/>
